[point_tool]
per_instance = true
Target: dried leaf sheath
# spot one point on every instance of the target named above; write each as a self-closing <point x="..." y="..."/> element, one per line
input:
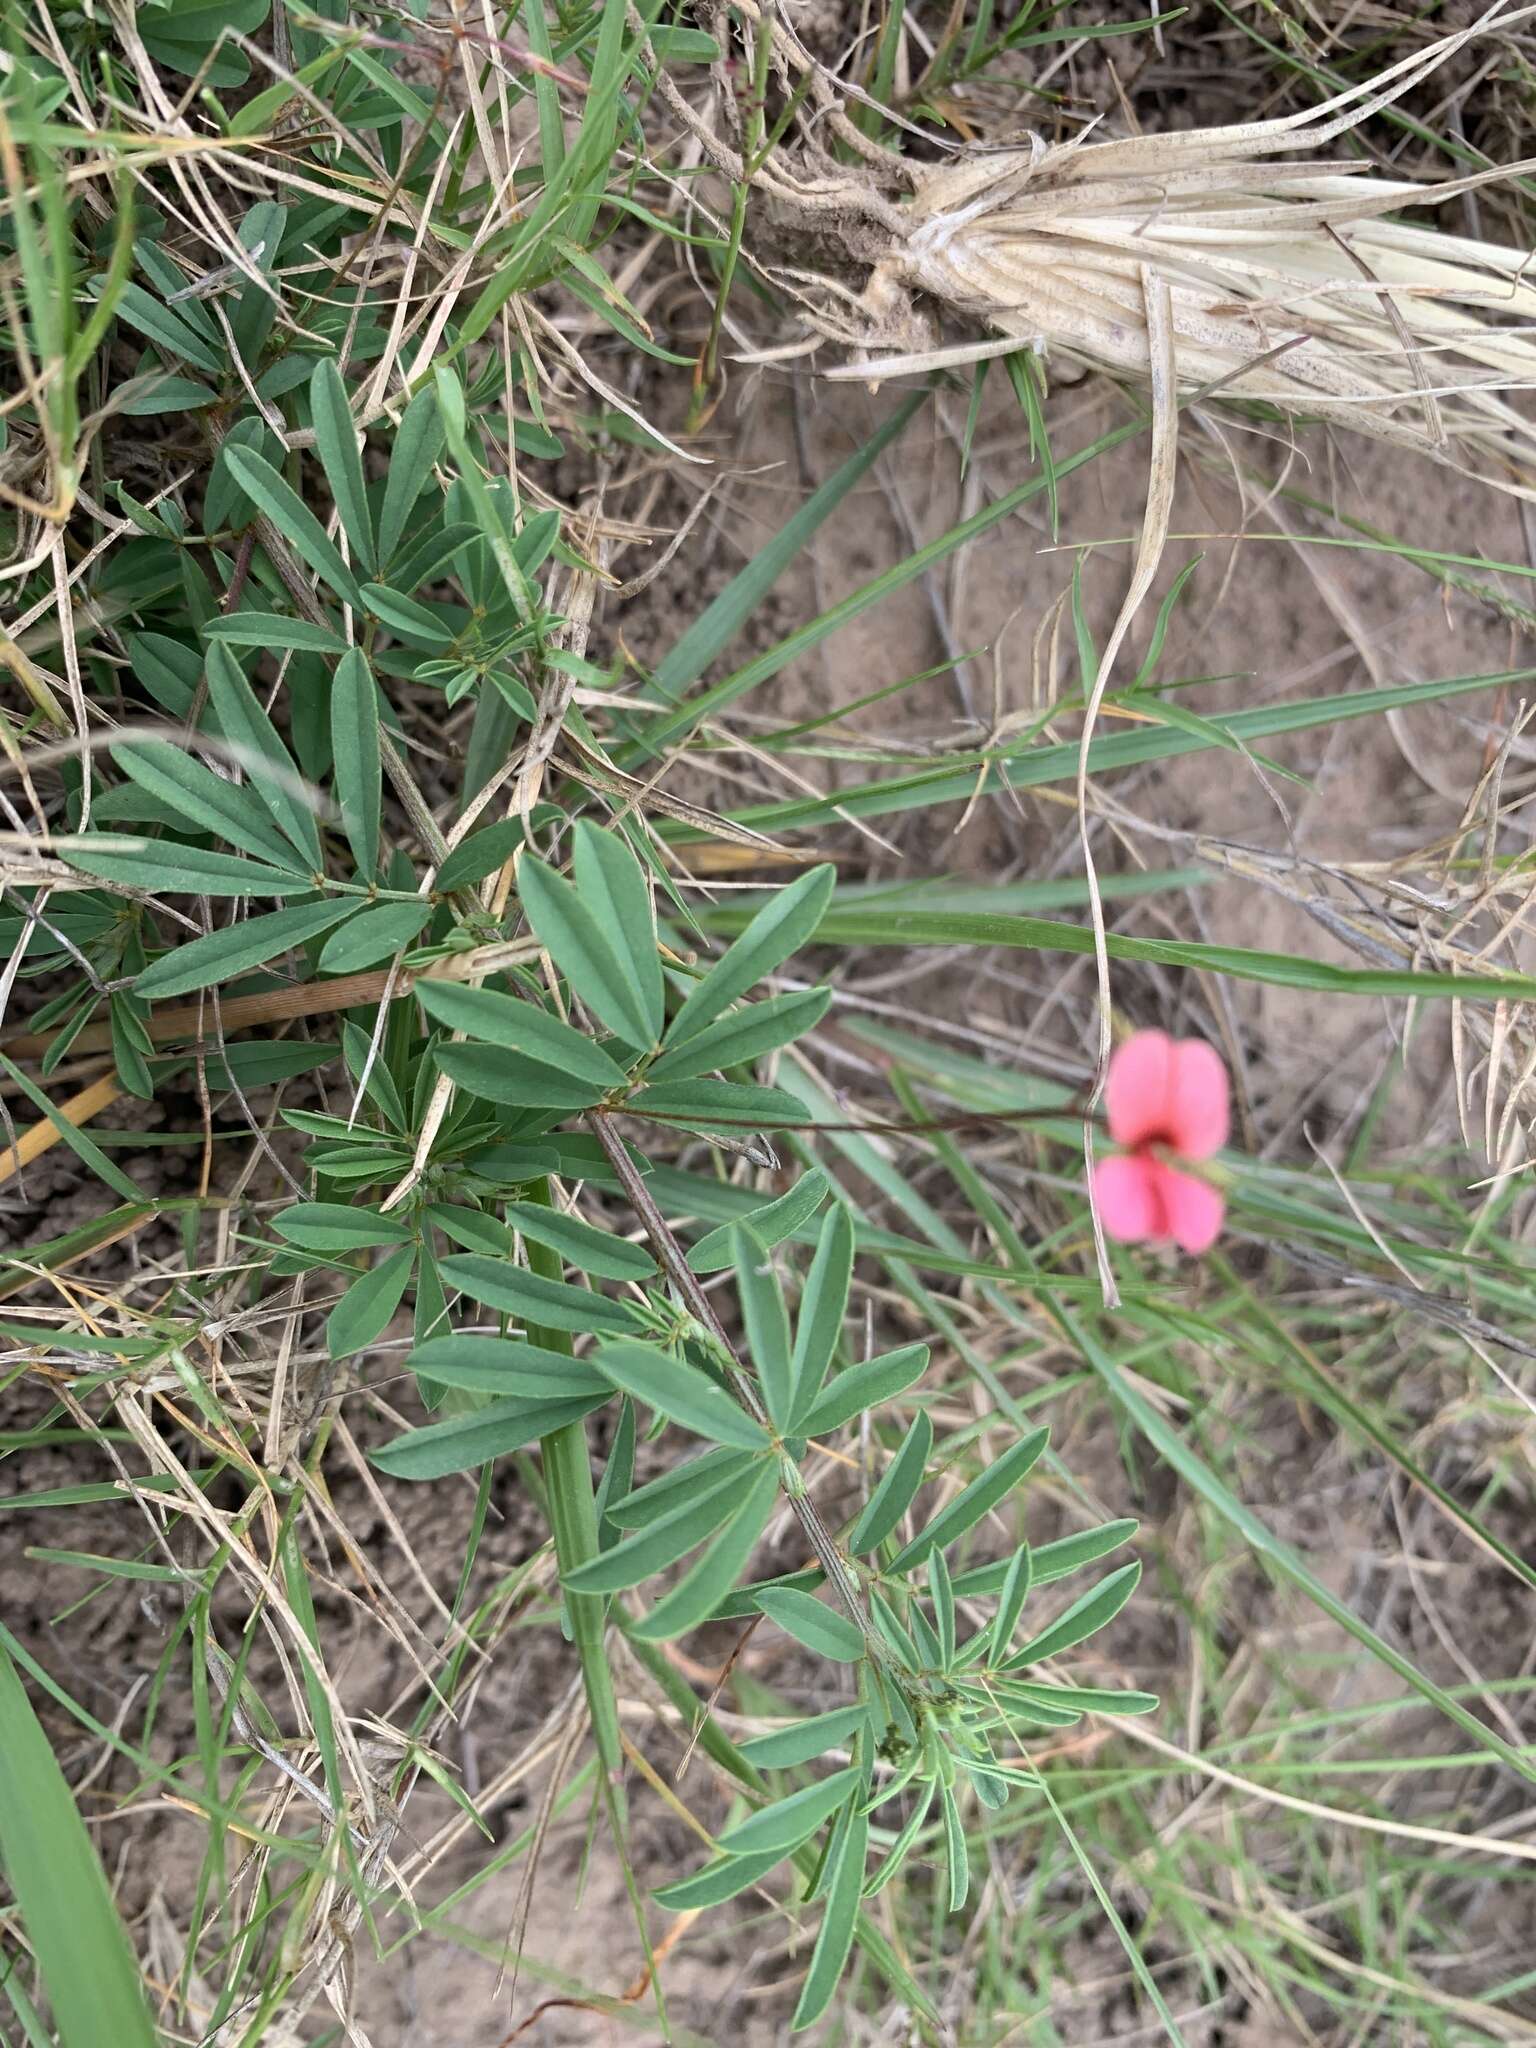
<point x="1290" y="281"/>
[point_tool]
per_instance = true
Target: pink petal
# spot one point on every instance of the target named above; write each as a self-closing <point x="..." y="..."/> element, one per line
<point x="1199" y="1116"/>
<point x="1139" y="1091"/>
<point x="1189" y="1210"/>
<point x="1127" y="1194"/>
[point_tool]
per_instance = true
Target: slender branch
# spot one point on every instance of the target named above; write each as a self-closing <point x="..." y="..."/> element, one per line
<point x="702" y="1309"/>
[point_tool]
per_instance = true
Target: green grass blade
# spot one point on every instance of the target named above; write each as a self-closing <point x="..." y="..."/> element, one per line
<point x="71" y="1924"/>
<point x="722" y="619"/>
<point x="1272" y="1549"/>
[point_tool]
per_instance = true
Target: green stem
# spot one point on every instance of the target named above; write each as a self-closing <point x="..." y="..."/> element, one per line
<point x="573" y="1521"/>
<point x="839" y="1573"/>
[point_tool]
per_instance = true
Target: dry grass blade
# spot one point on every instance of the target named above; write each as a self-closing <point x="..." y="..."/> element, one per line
<point x="1154" y="531"/>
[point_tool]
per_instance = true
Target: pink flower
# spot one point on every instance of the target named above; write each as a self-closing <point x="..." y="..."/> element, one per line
<point x="1163" y="1096"/>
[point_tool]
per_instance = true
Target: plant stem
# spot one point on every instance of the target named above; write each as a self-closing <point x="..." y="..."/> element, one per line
<point x="701" y="1308"/>
<point x="573" y="1521"/>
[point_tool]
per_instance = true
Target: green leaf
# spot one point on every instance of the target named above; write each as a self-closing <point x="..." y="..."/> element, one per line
<point x="696" y="1596"/>
<point x="618" y="1473"/>
<point x="482" y="853"/>
<point x="660" y="1495"/>
<point x="65" y="1907"/>
<point x="355" y="744"/>
<point x="901" y="1848"/>
<point x="744" y="1034"/>
<point x="167" y="668"/>
<point x="788" y="1822"/>
<point x="743" y="1602"/>
<point x="977" y="1499"/>
<point x="239" y="948"/>
<point x="492" y="1075"/>
<point x="955" y="1850"/>
<point x="844" y="1889"/>
<point x="612" y="885"/>
<point x="364" y="1311"/>
<point x="109" y="1567"/>
<point x="678" y="1390"/>
<point x="415" y="450"/>
<point x="929" y="1648"/>
<point x="434" y="555"/>
<point x="1051" y="1561"/>
<point x="551" y="1304"/>
<point x="861" y="1387"/>
<point x="770" y="1225"/>
<point x="823" y="1305"/>
<point x="131" y="1045"/>
<point x="766" y="1322"/>
<point x="716" y="1882"/>
<point x="571" y="935"/>
<point x="536" y="539"/>
<point x="520" y="1027"/>
<point x="812" y="1622"/>
<point x="257" y="1063"/>
<point x="372" y="1074"/>
<point x="1086" y="1699"/>
<point x="473" y="1230"/>
<point x="200" y="797"/>
<point x="273" y="630"/>
<point x="165" y="868"/>
<point x="1011" y="1603"/>
<point x="684" y="46"/>
<point x="336" y="446"/>
<point x="943" y="1596"/>
<point x="337" y="1227"/>
<point x="405" y="617"/>
<point x="1089" y="1613"/>
<point x="466" y="1441"/>
<point x="1021" y="1699"/>
<point x="294" y="521"/>
<point x="374" y="935"/>
<point x="990" y="1783"/>
<point x="803" y="1741"/>
<point x="660" y="1543"/>
<point x="506" y="1366"/>
<point x="896" y="1492"/>
<point x="266" y="760"/>
<point x="782" y="925"/>
<point x="594" y="1251"/>
<point x="704" y="1105"/>
<point x="165" y="327"/>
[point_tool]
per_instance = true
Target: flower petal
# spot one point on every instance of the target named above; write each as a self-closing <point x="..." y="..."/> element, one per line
<point x="1199" y="1114"/>
<point x="1127" y="1195"/>
<point x="1190" y="1210"/>
<point x="1139" y="1091"/>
